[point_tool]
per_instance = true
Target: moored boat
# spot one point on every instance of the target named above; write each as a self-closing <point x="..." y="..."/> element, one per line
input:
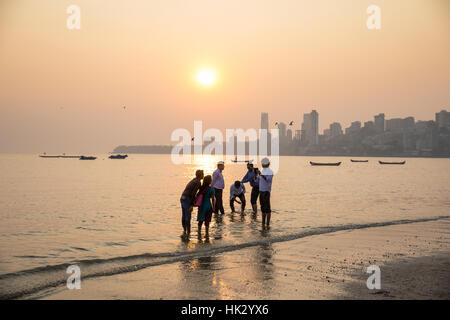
<point x="325" y="164"/>
<point x="118" y="156"/>
<point x="87" y="158"/>
<point x="387" y="162"/>
<point x="359" y="160"/>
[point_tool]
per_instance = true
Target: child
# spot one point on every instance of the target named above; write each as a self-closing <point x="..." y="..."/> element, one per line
<point x="265" y="187"/>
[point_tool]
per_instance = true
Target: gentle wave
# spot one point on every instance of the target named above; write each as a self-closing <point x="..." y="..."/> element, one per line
<point x="18" y="284"/>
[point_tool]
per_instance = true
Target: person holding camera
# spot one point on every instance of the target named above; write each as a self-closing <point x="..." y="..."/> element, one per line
<point x="252" y="177"/>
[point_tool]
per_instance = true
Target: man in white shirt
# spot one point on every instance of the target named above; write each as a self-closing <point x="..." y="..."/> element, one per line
<point x="218" y="184"/>
<point x="237" y="190"/>
<point x="265" y="187"/>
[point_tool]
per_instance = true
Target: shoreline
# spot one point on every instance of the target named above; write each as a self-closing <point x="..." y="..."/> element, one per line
<point x="328" y="266"/>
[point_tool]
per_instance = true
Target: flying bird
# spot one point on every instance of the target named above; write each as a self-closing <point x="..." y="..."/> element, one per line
<point x="276" y="123"/>
<point x="291" y="123"/>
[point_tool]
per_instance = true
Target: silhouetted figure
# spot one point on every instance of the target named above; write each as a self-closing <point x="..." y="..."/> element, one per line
<point x="187" y="201"/>
<point x="218" y="184"/>
<point x="265" y="187"/>
<point x="237" y="190"/>
<point x="205" y="210"/>
<point x="252" y="177"/>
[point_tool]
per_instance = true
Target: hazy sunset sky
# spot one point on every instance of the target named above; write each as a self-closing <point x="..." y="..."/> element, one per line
<point x="64" y="90"/>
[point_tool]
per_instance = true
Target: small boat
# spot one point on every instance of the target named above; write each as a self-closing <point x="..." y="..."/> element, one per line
<point x="385" y="162"/>
<point x="118" y="156"/>
<point x="45" y="156"/>
<point x="63" y="156"/>
<point x="236" y="160"/>
<point x="325" y="164"/>
<point x="69" y="157"/>
<point x="87" y="158"/>
<point x="359" y="160"/>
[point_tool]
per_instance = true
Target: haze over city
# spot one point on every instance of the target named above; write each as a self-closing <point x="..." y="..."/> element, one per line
<point x="133" y="74"/>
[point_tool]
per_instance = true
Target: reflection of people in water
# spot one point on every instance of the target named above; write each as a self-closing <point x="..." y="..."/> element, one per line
<point x="205" y="210"/>
<point x="187" y="201"/>
<point x="237" y="190"/>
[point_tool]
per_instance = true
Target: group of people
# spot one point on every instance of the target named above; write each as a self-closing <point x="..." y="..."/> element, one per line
<point x="207" y="195"/>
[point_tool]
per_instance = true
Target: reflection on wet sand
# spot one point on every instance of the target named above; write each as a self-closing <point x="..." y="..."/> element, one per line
<point x="212" y="277"/>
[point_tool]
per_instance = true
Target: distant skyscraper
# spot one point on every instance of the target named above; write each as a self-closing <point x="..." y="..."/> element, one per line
<point x="379" y="123"/>
<point x="397" y="124"/>
<point x="354" y="127"/>
<point x="443" y="119"/>
<point x="282" y="127"/>
<point x="298" y="135"/>
<point x="289" y="135"/>
<point x="335" y="129"/>
<point x="264" y="120"/>
<point x="310" y="128"/>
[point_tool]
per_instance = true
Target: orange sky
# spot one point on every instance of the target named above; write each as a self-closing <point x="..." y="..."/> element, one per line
<point x="63" y="90"/>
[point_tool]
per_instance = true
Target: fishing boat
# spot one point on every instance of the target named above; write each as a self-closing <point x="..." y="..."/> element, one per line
<point x="87" y="158"/>
<point x="46" y="156"/>
<point x="325" y="164"/>
<point x="398" y="162"/>
<point x="64" y="156"/>
<point x="359" y="160"/>
<point x="118" y="156"/>
<point x="236" y="160"/>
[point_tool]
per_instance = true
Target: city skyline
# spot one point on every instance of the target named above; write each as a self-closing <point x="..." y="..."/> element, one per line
<point x="130" y="74"/>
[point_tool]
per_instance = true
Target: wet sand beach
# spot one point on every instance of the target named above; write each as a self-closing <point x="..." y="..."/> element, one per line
<point x="413" y="259"/>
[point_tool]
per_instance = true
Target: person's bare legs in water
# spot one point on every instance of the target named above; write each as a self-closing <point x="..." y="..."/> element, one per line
<point x="266" y="220"/>
<point x="200" y="223"/>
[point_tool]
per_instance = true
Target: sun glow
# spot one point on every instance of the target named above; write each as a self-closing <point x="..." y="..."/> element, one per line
<point x="206" y="77"/>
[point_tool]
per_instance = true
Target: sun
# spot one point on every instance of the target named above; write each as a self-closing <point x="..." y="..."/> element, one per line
<point x="206" y="77"/>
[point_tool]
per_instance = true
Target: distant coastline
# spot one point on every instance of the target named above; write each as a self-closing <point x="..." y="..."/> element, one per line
<point x="167" y="149"/>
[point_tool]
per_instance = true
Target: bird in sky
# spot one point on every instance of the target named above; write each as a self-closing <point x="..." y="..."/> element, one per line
<point x="291" y="123"/>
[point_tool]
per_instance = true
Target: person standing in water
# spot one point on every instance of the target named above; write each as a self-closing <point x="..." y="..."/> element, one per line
<point x="187" y="201"/>
<point x="252" y="177"/>
<point x="265" y="187"/>
<point x="237" y="190"/>
<point x="218" y="184"/>
<point x="205" y="210"/>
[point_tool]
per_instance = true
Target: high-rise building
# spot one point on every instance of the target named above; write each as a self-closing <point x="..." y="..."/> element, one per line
<point x="335" y="129"/>
<point x="282" y="127"/>
<point x="443" y="119"/>
<point x="264" y="120"/>
<point x="298" y="135"/>
<point x="355" y="126"/>
<point x="398" y="124"/>
<point x="289" y="135"/>
<point x="379" y="123"/>
<point x="310" y="128"/>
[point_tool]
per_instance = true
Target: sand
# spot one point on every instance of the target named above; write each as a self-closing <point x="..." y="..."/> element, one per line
<point x="414" y="260"/>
